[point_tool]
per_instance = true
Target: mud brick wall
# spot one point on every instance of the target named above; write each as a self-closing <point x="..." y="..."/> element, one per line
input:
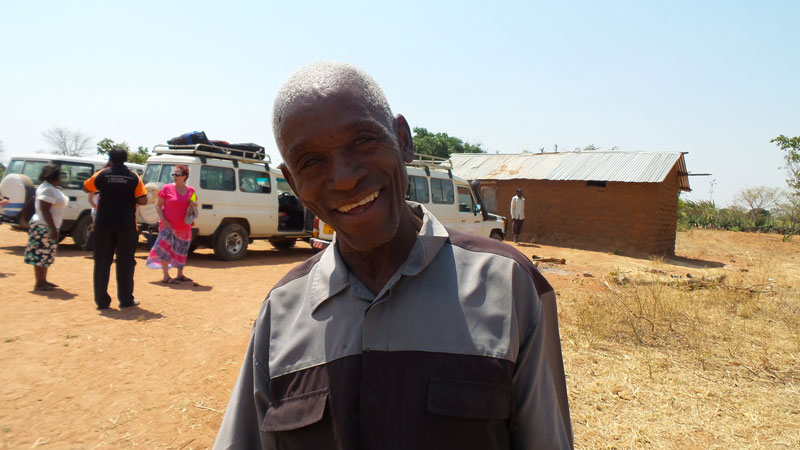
<point x="630" y="218"/>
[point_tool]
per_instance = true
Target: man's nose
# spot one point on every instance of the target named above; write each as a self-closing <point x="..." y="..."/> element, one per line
<point x="345" y="172"/>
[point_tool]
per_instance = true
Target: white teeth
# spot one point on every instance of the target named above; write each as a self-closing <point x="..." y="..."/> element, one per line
<point x="363" y="201"/>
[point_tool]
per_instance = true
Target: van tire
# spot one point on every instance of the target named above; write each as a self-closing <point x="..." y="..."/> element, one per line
<point x="231" y="243"/>
<point x="80" y="232"/>
<point x="496" y="235"/>
<point x="282" y="243"/>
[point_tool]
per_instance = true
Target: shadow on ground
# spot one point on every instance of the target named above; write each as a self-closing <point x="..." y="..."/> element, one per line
<point x="15" y="250"/>
<point x="136" y="313"/>
<point x="693" y="263"/>
<point x="183" y="286"/>
<point x="56" y="294"/>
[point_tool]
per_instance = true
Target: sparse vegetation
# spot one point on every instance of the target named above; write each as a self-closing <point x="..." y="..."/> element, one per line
<point x="682" y="356"/>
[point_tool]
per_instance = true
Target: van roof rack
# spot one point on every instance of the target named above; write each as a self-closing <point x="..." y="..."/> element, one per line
<point x="429" y="162"/>
<point x="212" y="151"/>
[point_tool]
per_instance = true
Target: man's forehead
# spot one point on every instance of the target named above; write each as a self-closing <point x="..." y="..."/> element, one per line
<point x="342" y="112"/>
<point x="344" y="98"/>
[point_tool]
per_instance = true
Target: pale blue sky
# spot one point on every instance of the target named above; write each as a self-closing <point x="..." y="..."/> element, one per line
<point x="715" y="79"/>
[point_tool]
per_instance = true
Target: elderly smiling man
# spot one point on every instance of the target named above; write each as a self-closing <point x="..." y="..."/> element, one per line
<point x="403" y="334"/>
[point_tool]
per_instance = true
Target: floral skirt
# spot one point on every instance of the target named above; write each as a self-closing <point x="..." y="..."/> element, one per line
<point x="41" y="250"/>
<point x="171" y="247"/>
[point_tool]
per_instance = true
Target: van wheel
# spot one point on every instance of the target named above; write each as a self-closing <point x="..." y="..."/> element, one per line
<point x="231" y="242"/>
<point x="80" y="231"/>
<point x="496" y="235"/>
<point x="282" y="243"/>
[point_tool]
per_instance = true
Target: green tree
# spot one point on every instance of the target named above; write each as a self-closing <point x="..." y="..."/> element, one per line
<point x="792" y="157"/>
<point x="441" y="145"/>
<point x="138" y="157"/>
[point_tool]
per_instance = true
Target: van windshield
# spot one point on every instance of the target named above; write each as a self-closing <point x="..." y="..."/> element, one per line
<point x="158" y="173"/>
<point x="31" y="169"/>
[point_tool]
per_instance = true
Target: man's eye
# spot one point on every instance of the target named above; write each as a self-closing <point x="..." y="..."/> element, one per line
<point x="362" y="140"/>
<point x="308" y="162"/>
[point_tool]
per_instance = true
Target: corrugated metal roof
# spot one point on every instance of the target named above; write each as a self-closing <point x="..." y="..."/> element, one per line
<point x="626" y="167"/>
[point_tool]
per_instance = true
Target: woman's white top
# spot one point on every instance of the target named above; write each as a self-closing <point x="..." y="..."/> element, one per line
<point x="46" y="192"/>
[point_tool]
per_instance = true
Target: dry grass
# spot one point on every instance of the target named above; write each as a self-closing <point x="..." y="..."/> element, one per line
<point x="655" y="363"/>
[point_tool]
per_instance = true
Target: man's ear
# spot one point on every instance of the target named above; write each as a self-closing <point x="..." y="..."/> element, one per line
<point x="404" y="138"/>
<point x="287" y="175"/>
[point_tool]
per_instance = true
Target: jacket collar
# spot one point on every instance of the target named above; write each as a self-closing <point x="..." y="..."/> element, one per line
<point x="330" y="275"/>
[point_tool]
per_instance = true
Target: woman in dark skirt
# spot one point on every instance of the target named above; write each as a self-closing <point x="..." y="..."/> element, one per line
<point x="50" y="204"/>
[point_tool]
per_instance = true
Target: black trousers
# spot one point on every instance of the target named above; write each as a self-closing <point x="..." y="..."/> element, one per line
<point x="107" y="243"/>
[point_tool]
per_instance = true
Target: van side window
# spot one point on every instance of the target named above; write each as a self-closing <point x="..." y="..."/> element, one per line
<point x="252" y="181"/>
<point x="217" y="178"/>
<point x="442" y="191"/>
<point x="418" y="189"/>
<point x="74" y="174"/>
<point x="465" y="202"/>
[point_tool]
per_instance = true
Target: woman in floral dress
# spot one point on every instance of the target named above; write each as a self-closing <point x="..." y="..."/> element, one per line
<point x="43" y="227"/>
<point x="174" y="234"/>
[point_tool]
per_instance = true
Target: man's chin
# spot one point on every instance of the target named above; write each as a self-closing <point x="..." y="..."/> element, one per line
<point x="367" y="241"/>
<point x="361" y="244"/>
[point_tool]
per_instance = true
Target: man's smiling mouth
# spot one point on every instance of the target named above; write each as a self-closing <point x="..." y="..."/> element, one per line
<point x="363" y="201"/>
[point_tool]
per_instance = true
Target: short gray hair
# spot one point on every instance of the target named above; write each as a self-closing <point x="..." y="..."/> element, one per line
<point x="325" y="78"/>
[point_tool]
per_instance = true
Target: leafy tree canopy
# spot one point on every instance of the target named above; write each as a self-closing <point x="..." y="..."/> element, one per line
<point x="138" y="157"/>
<point x="441" y="145"/>
<point x="791" y="145"/>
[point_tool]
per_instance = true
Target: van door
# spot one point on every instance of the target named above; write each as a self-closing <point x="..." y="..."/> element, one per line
<point x="443" y="203"/>
<point x="73" y="174"/>
<point x="255" y="192"/>
<point x="469" y="219"/>
<point x="216" y="196"/>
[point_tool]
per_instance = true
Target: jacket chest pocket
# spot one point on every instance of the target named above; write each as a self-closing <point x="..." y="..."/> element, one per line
<point x="467" y="414"/>
<point x="300" y="421"/>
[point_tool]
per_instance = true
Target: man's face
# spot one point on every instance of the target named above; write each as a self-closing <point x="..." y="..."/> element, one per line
<point x="347" y="166"/>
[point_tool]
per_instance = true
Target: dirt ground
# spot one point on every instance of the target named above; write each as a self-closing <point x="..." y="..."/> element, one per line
<point x="159" y="376"/>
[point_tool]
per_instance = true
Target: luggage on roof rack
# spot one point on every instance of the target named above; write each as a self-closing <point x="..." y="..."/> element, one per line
<point x="249" y="149"/>
<point x="190" y="138"/>
<point x="212" y="151"/>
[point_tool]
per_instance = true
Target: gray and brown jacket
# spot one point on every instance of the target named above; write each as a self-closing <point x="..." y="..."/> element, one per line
<point x="459" y="350"/>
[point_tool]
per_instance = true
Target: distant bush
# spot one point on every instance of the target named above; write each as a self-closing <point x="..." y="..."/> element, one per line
<point x="784" y="219"/>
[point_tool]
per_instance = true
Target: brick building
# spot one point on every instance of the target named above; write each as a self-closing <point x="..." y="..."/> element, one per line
<point x="610" y="201"/>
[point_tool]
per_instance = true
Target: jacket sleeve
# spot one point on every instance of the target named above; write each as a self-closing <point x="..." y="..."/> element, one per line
<point x="541" y="418"/>
<point x="240" y="425"/>
<point x="89" y="185"/>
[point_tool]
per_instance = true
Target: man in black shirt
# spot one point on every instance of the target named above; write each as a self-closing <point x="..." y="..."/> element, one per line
<point x="115" y="227"/>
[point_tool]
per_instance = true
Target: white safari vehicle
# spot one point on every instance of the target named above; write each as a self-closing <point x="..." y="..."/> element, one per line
<point x="22" y="177"/>
<point x="450" y="198"/>
<point x="240" y="198"/>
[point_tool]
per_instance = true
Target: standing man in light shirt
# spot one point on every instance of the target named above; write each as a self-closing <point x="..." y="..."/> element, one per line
<point x="517" y="214"/>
